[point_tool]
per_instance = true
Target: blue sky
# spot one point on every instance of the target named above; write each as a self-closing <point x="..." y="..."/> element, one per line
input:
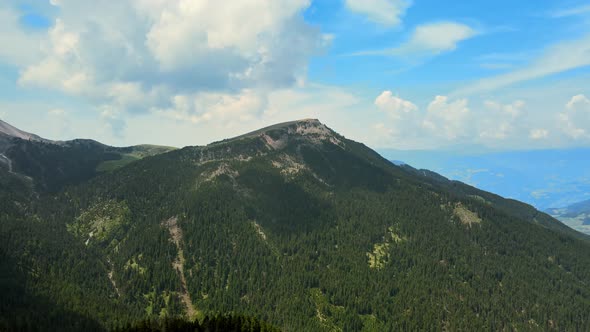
<point x="395" y="74"/>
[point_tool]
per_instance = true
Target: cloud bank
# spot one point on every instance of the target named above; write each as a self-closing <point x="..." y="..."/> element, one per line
<point x="446" y="122"/>
<point x="198" y="58"/>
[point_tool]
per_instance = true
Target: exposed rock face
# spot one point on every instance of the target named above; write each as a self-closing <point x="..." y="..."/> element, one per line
<point x="288" y="165"/>
<point x="316" y="131"/>
<point x="10" y="131"/>
<point x="270" y="140"/>
<point x="178" y="264"/>
<point x="310" y="130"/>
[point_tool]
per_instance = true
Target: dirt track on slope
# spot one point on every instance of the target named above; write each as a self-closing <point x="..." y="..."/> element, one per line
<point x="178" y="264"/>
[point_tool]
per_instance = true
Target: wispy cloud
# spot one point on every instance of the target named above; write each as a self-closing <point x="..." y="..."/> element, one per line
<point x="496" y="66"/>
<point x="504" y="61"/>
<point x="558" y="58"/>
<point x="385" y="12"/>
<point x="428" y="39"/>
<point x="575" y="11"/>
<point x="504" y="57"/>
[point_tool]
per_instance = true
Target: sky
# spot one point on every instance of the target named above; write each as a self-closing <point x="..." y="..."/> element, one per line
<point x="395" y="74"/>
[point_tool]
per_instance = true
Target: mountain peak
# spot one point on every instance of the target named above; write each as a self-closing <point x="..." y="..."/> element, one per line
<point x="277" y="136"/>
<point x="310" y="121"/>
<point x="311" y="130"/>
<point x="9" y="130"/>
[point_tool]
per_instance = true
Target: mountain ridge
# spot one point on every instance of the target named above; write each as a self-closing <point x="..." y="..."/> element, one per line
<point x="296" y="225"/>
<point x="51" y="165"/>
<point x="11" y="131"/>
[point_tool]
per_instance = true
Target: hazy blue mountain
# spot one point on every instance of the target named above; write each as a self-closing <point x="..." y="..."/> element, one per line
<point x="543" y="178"/>
<point x="577" y="215"/>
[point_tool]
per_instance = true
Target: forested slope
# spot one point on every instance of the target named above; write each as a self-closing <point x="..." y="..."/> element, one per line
<point x="294" y="225"/>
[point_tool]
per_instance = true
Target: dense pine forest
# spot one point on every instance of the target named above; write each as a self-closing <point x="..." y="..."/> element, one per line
<point x="293" y="225"/>
<point x="217" y="323"/>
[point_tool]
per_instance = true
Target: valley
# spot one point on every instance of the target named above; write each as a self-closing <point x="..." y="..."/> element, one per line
<point x="576" y="216"/>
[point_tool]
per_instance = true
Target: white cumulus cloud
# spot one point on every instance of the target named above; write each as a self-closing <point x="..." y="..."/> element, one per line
<point x="500" y="121"/>
<point x="447" y="118"/>
<point x="403" y="116"/>
<point x="131" y="56"/>
<point x="394" y="105"/>
<point x="224" y="109"/>
<point x="576" y="117"/>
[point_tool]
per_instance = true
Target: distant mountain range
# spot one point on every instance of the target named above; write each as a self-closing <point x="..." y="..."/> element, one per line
<point x="577" y="216"/>
<point x="543" y="178"/>
<point x="292" y="224"/>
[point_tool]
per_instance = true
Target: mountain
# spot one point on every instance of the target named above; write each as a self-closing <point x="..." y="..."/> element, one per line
<point x="7" y="130"/>
<point x="292" y="224"/>
<point x="53" y="165"/>
<point x="576" y="216"/>
<point x="543" y="178"/>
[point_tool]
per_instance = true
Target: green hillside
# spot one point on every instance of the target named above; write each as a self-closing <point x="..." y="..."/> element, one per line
<point x="55" y="165"/>
<point x="294" y="225"/>
<point x="131" y="154"/>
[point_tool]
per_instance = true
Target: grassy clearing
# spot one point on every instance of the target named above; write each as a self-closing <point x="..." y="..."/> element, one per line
<point x="132" y="154"/>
